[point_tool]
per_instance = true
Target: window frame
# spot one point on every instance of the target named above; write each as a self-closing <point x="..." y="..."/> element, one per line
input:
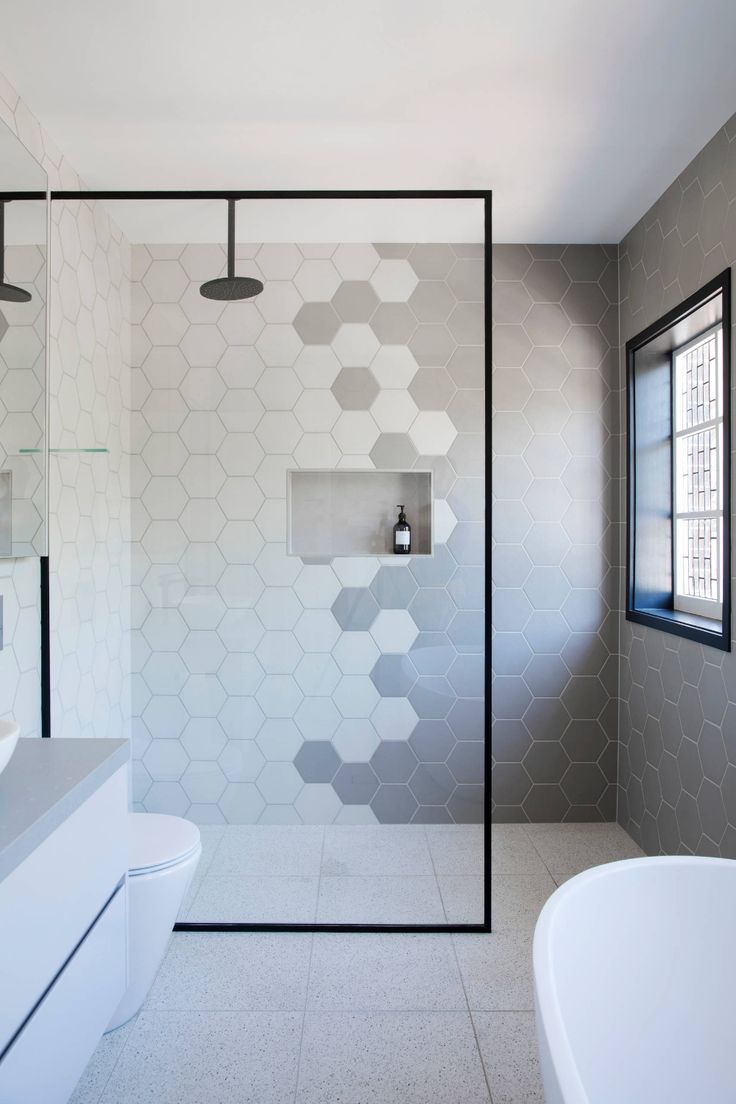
<point x="691" y="623"/>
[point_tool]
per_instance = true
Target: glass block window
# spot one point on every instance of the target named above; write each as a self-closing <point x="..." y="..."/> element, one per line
<point x="698" y="493"/>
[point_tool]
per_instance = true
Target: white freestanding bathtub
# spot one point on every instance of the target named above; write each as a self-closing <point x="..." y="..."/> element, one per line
<point x="635" y="984"/>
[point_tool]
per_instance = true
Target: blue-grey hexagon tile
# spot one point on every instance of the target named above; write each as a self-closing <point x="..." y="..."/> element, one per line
<point x="432" y="609"/>
<point x="467" y="719"/>
<point x="393" y="588"/>
<point x="432" y="741"/>
<point x="355" y="609"/>
<point x="393" y="676"/>
<point x="394" y="761"/>
<point x="355" y="783"/>
<point x="394" y="803"/>
<point x="432" y="653"/>
<point x="317" y="761"/>
<point x="431" y="696"/>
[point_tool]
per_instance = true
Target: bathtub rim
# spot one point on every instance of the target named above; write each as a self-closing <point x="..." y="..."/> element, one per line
<point x="552" y="1039"/>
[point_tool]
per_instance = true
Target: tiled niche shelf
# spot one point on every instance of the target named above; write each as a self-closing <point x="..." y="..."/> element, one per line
<point x="352" y="511"/>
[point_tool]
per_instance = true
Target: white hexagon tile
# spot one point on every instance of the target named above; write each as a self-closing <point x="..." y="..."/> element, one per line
<point x="304" y="690"/>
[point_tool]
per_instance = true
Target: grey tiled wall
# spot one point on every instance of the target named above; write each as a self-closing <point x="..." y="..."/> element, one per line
<point x="555" y="429"/>
<point x="678" y="699"/>
<point x="268" y="688"/>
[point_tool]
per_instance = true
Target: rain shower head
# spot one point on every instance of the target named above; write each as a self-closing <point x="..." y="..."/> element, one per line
<point x="231" y="287"/>
<point x="9" y="293"/>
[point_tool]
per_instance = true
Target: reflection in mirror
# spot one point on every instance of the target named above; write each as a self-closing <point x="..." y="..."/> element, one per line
<point x="23" y="253"/>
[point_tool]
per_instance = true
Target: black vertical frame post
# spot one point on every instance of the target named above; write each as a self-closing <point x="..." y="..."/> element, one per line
<point x="232" y="195"/>
<point x="45" y="648"/>
<point x="488" y="392"/>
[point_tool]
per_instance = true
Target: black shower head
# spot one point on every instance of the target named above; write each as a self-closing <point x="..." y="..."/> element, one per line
<point x="231" y="287"/>
<point x="9" y="293"/>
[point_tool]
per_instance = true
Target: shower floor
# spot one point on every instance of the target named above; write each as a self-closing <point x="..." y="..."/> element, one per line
<point x="338" y="874"/>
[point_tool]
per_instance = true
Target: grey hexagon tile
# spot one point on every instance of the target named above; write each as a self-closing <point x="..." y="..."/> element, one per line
<point x="432" y="388"/>
<point x="317" y="323"/>
<point x="431" y="262"/>
<point x="393" y="323"/>
<point x="393" y="450"/>
<point x="432" y="301"/>
<point x="355" y="388"/>
<point x="355" y="301"/>
<point x="432" y="344"/>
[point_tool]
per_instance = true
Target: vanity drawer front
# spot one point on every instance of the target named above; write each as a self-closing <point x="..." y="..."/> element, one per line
<point x="49" y="901"/>
<point x="46" y="1060"/>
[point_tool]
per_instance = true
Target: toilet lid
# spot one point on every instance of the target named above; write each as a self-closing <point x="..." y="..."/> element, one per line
<point x="155" y="840"/>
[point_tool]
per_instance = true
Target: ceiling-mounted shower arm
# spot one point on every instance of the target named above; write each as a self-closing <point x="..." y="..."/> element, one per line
<point x="230" y="239"/>
<point x="2" y="240"/>
<point x="231" y="287"/>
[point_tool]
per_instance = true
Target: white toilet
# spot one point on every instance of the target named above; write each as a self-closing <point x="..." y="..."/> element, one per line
<point x="163" y="852"/>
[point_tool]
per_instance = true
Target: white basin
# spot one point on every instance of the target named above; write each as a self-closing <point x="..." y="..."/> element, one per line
<point x="9" y="733"/>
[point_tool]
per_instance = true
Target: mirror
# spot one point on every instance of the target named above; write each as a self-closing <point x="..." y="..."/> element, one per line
<point x="23" y="296"/>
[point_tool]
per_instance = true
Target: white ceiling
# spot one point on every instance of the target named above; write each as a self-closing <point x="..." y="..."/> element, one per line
<point x="578" y="113"/>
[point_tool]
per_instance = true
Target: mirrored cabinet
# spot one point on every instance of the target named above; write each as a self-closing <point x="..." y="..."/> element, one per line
<point x="23" y="342"/>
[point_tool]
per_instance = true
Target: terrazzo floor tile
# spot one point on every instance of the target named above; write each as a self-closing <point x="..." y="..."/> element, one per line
<point x="572" y="848"/>
<point x="246" y="972"/>
<point x="456" y="849"/>
<point x="208" y="1058"/>
<point x="272" y="849"/>
<point x="508" y="1046"/>
<point x="382" y="850"/>
<point x="462" y="897"/>
<point x="99" y="1068"/>
<point x="496" y="970"/>
<point x="384" y="972"/>
<point x="517" y="900"/>
<point x="248" y="899"/>
<point x="391" y="1057"/>
<point x="380" y="900"/>
<point x="513" y="852"/>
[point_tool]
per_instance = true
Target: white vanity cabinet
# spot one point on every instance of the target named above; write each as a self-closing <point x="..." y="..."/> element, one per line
<point x="63" y="922"/>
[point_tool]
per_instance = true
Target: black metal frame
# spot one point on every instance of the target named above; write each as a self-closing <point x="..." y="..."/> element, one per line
<point x="486" y="197"/>
<point x="672" y="621"/>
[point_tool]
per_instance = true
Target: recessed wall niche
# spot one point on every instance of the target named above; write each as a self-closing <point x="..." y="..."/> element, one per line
<point x="352" y="512"/>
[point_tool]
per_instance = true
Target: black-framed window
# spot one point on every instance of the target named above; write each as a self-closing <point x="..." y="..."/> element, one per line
<point x="678" y="565"/>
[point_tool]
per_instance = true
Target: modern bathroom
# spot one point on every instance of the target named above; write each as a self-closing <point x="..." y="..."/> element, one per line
<point x="367" y="701"/>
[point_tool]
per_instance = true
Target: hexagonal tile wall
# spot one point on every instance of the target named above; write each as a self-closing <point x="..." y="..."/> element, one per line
<point x="293" y="690"/>
<point x="554" y="651"/>
<point x="677" y="770"/>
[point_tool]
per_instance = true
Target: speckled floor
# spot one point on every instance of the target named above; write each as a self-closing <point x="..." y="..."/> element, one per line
<point x="355" y="874"/>
<point x="354" y="1019"/>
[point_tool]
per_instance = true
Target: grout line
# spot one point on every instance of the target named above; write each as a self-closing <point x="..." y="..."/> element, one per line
<point x="470" y="1014"/>
<point x="436" y="877"/>
<point x="309" y="973"/>
<point x="320" y="876"/>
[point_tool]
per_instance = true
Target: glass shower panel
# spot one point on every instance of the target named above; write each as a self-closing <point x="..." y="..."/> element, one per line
<point x="320" y="716"/>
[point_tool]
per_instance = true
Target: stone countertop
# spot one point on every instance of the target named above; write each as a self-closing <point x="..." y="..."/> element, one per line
<point x="42" y="785"/>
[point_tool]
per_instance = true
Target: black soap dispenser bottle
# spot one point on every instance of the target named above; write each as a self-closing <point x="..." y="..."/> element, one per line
<point x="402" y="534"/>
